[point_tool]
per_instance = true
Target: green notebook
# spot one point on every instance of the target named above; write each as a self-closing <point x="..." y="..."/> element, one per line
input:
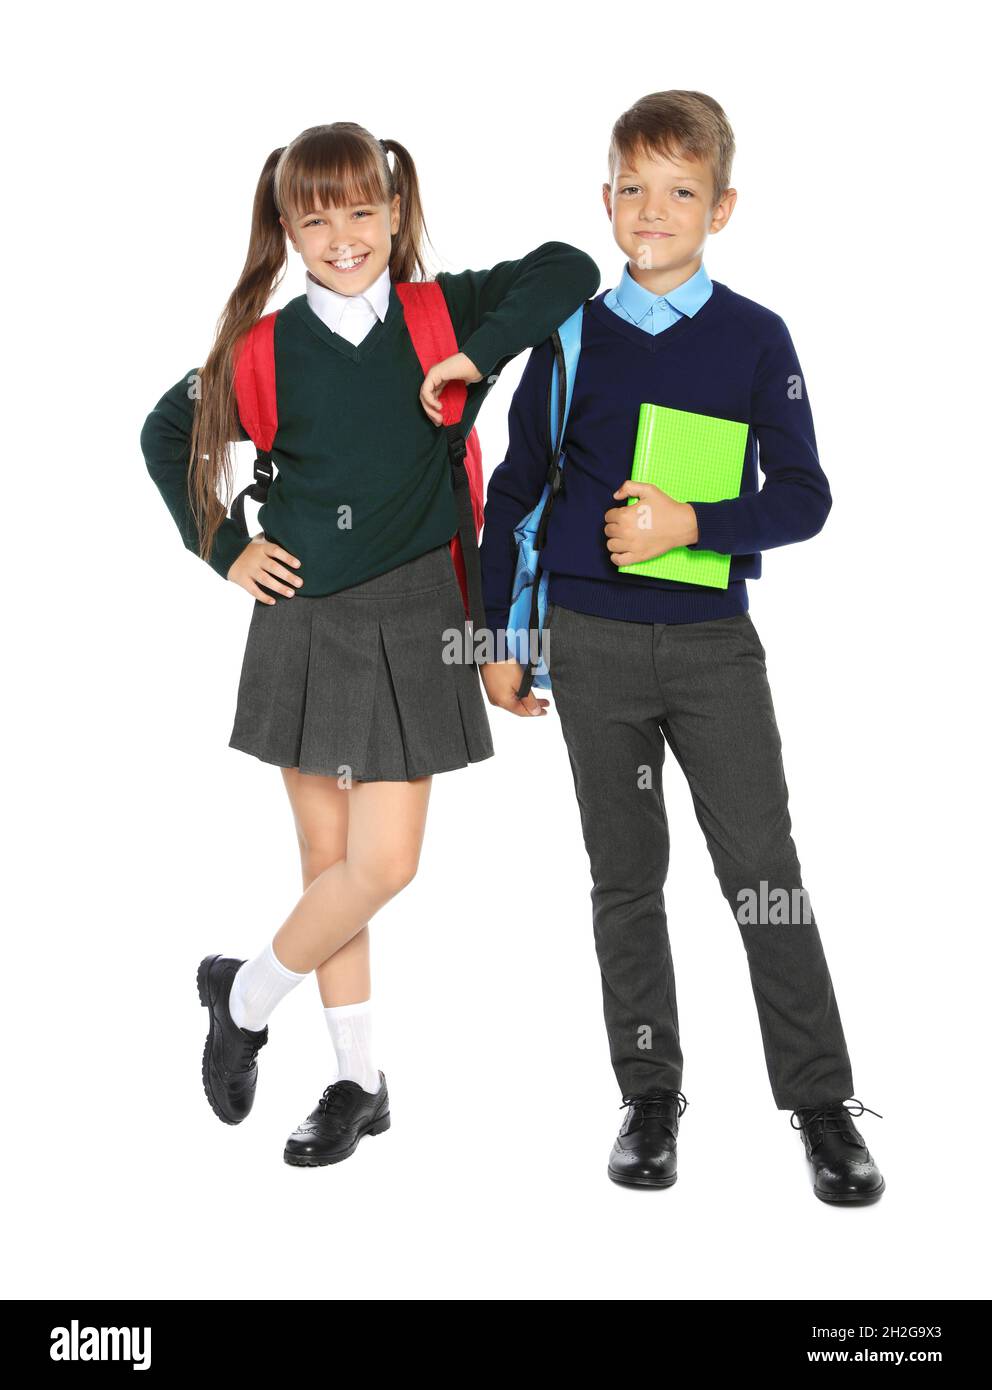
<point x="694" y="458"/>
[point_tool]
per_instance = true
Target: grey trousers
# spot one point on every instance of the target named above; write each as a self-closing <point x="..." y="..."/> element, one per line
<point x="622" y="691"/>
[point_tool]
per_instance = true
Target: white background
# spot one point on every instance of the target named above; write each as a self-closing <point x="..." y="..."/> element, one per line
<point x="138" y="842"/>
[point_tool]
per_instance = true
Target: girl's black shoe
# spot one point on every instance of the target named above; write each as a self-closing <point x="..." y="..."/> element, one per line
<point x="345" y="1113"/>
<point x="229" y="1068"/>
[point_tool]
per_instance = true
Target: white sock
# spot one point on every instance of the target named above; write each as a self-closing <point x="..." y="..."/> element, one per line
<point x="257" y="988"/>
<point x="350" y="1027"/>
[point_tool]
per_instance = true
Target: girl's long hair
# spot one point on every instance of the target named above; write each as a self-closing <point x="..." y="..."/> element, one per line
<point x="325" y="166"/>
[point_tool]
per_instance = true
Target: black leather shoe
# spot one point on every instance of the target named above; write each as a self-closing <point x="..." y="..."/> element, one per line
<point x="645" y="1152"/>
<point x="844" y="1170"/>
<point x="229" y="1068"/>
<point x="345" y="1113"/>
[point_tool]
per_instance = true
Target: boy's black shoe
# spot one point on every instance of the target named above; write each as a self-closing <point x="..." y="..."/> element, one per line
<point x="645" y="1152"/>
<point x="844" y="1170"/>
<point x="345" y="1113"/>
<point x="229" y="1068"/>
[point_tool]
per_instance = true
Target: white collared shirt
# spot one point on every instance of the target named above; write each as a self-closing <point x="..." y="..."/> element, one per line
<point x="350" y="315"/>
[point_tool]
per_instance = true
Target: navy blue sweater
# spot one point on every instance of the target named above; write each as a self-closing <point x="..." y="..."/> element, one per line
<point x="732" y="358"/>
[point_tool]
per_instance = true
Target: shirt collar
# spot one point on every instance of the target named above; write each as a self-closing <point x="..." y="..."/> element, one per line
<point x="686" y="298"/>
<point x="329" y="305"/>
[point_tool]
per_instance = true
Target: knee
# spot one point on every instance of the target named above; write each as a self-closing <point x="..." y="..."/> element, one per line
<point x="750" y="871"/>
<point x="316" y="857"/>
<point x="382" y="879"/>
<point x="765" y="855"/>
<point x="629" y="882"/>
<point x="765" y="893"/>
<point x="401" y="872"/>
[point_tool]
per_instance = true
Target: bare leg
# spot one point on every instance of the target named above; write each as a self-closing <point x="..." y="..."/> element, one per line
<point x="384" y="838"/>
<point x="320" y="812"/>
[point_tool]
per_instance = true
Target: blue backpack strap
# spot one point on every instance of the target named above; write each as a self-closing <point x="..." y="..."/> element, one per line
<point x="566" y="343"/>
<point x="563" y="371"/>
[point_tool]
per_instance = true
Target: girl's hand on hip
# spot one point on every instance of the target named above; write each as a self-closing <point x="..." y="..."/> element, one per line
<point x="502" y="681"/>
<point x="456" y="368"/>
<point x="259" y="563"/>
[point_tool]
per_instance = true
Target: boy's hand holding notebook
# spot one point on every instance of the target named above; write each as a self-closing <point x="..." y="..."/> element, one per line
<point x="691" y="457"/>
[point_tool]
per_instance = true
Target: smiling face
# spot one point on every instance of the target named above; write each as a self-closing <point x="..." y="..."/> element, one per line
<point x="345" y="248"/>
<point x="662" y="212"/>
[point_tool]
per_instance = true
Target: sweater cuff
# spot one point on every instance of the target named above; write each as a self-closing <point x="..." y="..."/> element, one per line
<point x="497" y="619"/>
<point x="482" y="348"/>
<point x="228" y="545"/>
<point x="715" y="527"/>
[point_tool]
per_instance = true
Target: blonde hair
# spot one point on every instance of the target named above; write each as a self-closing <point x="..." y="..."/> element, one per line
<point x="676" y="125"/>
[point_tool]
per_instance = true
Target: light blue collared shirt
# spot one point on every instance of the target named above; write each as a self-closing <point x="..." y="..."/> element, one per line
<point x="655" y="312"/>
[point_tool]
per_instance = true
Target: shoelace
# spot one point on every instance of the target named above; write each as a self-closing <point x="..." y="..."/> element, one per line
<point x="253" y="1046"/>
<point x="833" y="1119"/>
<point x="332" y="1098"/>
<point x="656" y="1105"/>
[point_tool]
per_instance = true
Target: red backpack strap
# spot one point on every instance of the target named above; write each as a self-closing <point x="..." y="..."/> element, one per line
<point x="429" y="323"/>
<point x="255" y="392"/>
<point x="433" y="335"/>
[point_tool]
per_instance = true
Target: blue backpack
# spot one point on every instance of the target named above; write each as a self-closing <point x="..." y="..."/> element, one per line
<point x="529" y="600"/>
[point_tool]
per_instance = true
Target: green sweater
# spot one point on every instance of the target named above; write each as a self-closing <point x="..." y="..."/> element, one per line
<point x="363" y="479"/>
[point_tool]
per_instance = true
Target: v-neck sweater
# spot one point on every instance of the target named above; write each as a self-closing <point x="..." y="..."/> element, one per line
<point x="732" y="358"/>
<point x="363" y="478"/>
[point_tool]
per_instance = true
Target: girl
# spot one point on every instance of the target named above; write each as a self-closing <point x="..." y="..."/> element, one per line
<point x="342" y="685"/>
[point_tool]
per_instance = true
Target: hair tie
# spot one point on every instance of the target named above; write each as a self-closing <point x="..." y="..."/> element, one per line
<point x="383" y="144"/>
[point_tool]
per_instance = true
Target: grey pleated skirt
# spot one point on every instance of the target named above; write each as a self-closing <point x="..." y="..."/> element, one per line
<point x="354" y="684"/>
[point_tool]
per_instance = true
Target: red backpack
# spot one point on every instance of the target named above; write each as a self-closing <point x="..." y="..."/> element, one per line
<point x="430" y="327"/>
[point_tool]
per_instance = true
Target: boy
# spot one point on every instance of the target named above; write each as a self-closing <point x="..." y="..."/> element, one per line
<point x="636" y="662"/>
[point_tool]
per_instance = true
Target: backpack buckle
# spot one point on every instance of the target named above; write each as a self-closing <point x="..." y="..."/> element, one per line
<point x="263" y="469"/>
<point x="457" y="448"/>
